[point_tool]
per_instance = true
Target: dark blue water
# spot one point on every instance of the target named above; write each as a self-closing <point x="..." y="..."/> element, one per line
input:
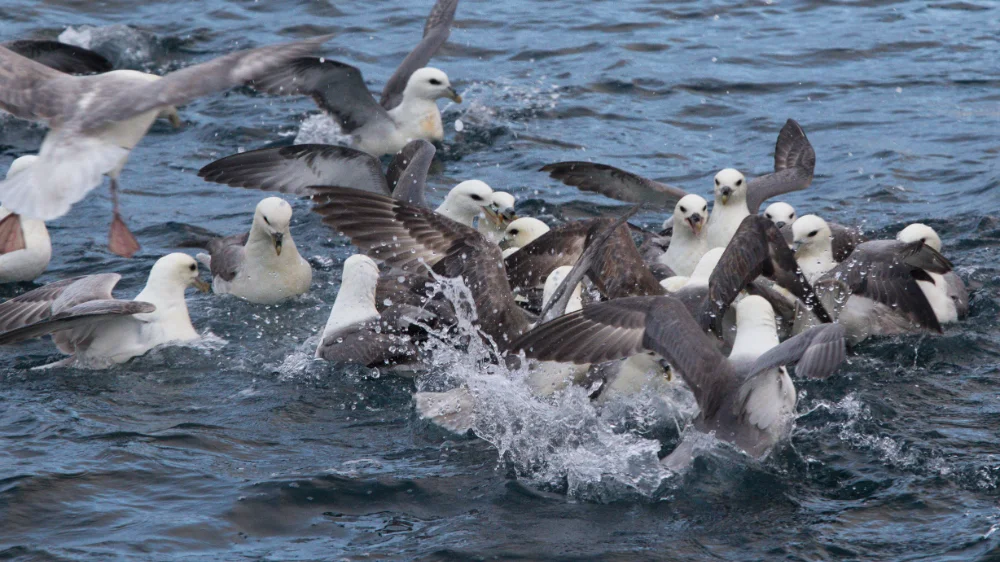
<point x="244" y="449"/>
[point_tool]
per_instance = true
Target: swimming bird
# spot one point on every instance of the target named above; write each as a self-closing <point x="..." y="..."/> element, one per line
<point x="96" y="329"/>
<point x="781" y="214"/>
<point x="946" y="293"/>
<point x="296" y="169"/>
<point x="746" y="399"/>
<point x="689" y="240"/>
<point x="881" y="278"/>
<point x="262" y="266"/>
<point x="521" y="232"/>
<point x="29" y="263"/>
<point x="96" y="120"/>
<point x="496" y="216"/>
<point x="355" y="331"/>
<point x="735" y="197"/>
<point x="407" y="109"/>
<point x="466" y="201"/>
<point x="809" y="228"/>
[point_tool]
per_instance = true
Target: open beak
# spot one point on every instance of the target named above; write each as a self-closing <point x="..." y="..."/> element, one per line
<point x="724" y="195"/>
<point x="696" y="223"/>
<point x="279" y="238"/>
<point x="201" y="285"/>
<point x="453" y="95"/>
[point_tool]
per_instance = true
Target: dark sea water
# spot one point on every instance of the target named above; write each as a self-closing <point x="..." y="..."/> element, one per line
<point x="243" y="448"/>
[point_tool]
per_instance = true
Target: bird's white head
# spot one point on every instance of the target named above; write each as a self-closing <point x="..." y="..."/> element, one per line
<point x="552" y="283"/>
<point x="272" y="217"/>
<point x="21" y="164"/>
<point x="706" y="265"/>
<point x="176" y="271"/>
<point x="810" y="235"/>
<point x="922" y="232"/>
<point x="780" y="214"/>
<point x="692" y="212"/>
<point x="730" y="185"/>
<point x="430" y="84"/>
<point x="466" y="200"/>
<point x="522" y="232"/>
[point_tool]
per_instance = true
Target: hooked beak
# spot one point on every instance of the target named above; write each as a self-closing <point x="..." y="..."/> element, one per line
<point x="279" y="238"/>
<point x="505" y="243"/>
<point x="696" y="223"/>
<point x="780" y="224"/>
<point x="724" y="194"/>
<point x="453" y="95"/>
<point x="494" y="217"/>
<point x="796" y="244"/>
<point x="201" y="285"/>
<point x="170" y="114"/>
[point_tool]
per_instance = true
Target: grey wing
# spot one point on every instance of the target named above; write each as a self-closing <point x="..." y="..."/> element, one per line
<point x="407" y="175"/>
<point x="338" y="88"/>
<point x="83" y="314"/>
<point x="294" y="169"/>
<point x="436" y="32"/>
<point x="601" y="332"/>
<point x="228" y="255"/>
<point x="615" y="183"/>
<point x="794" y="163"/>
<point x="672" y="332"/>
<point x="816" y="353"/>
<point x="33" y="91"/>
<point x="61" y="56"/>
<point x="562" y="245"/>
<point x="113" y="104"/>
<point x="887" y="271"/>
<point x="757" y="248"/>
<point x="618" y="269"/>
<point x="361" y="345"/>
<point x="958" y="293"/>
<point x="844" y="240"/>
<point x="42" y="303"/>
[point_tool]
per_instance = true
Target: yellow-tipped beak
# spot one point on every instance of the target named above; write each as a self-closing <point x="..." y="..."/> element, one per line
<point x="493" y="216"/>
<point x="453" y="95"/>
<point x="201" y="285"/>
<point x="725" y="199"/>
<point x="278" y="240"/>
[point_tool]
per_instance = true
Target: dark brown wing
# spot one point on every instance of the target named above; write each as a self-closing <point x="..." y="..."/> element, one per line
<point x="60" y="56"/>
<point x="794" y="163"/>
<point x="436" y="32"/>
<point x="615" y="183"/>
<point x="562" y="245"/>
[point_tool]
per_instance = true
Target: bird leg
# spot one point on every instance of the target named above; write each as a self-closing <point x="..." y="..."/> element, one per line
<point x="120" y="238"/>
<point x="11" y="234"/>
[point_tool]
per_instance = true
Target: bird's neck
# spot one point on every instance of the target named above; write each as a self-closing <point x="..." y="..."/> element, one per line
<point x="815" y="260"/>
<point x="168" y="298"/>
<point x="355" y="303"/>
<point x="456" y="212"/>
<point x="754" y="336"/>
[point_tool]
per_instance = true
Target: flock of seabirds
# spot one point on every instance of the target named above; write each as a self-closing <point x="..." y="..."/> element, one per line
<point x="722" y="300"/>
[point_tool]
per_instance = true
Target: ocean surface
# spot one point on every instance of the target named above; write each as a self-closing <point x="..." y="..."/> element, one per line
<point x="243" y="448"/>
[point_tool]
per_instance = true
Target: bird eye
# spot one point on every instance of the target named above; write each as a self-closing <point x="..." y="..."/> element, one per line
<point x="705" y="208"/>
<point x="476" y="197"/>
<point x="768" y="215"/>
<point x="739" y="183"/>
<point x="514" y="232"/>
<point x="716" y="183"/>
<point x="923" y="240"/>
<point x="192" y="267"/>
<point x="265" y="220"/>
<point x="683" y="210"/>
<point x="813" y="233"/>
<point x="435" y="82"/>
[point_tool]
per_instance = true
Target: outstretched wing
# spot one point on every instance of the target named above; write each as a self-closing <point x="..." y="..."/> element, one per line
<point x="794" y="163"/>
<point x="615" y="183"/>
<point x="436" y="32"/>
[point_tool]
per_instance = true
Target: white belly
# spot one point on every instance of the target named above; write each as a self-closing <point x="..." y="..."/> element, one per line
<point x="261" y="284"/>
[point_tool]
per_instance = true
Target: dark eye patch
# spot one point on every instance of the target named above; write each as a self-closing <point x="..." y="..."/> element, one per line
<point x="813" y="233"/>
<point x="192" y="267"/>
<point x="716" y="182"/>
<point x="435" y="82"/>
<point x="265" y="220"/>
<point x="705" y="208"/>
<point x="683" y="210"/>
<point x="768" y="215"/>
<point x="476" y="197"/>
<point x="739" y="183"/>
<point x="514" y="232"/>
